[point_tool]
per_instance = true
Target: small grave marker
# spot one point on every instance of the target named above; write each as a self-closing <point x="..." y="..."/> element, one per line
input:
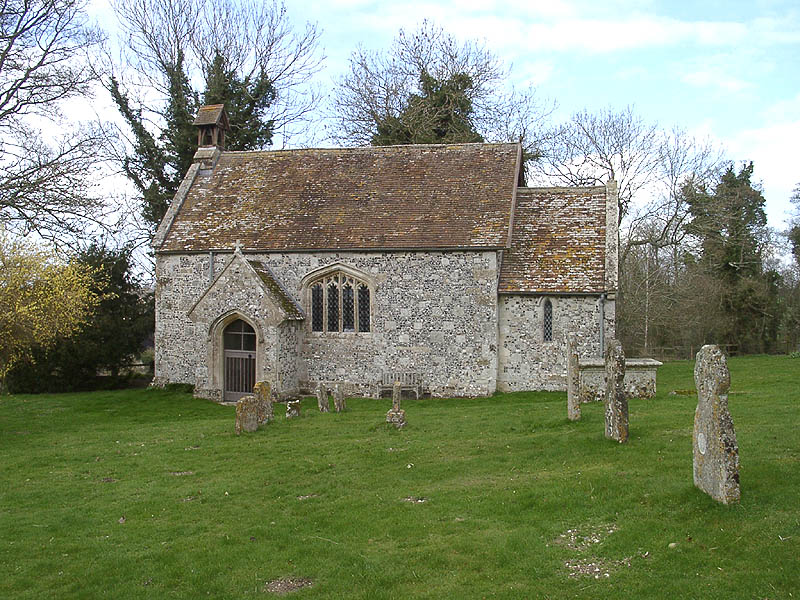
<point x="322" y="398"/>
<point x="573" y="379"/>
<point x="396" y="415"/>
<point x="616" y="402"/>
<point x="338" y="398"/>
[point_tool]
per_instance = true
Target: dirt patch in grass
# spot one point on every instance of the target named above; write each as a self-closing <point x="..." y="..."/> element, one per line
<point x="286" y="585"/>
<point x="582" y="538"/>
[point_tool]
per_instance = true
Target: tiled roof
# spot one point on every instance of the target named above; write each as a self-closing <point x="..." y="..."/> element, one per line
<point x="395" y="197"/>
<point x="558" y="242"/>
<point x="209" y="115"/>
<point x="290" y="308"/>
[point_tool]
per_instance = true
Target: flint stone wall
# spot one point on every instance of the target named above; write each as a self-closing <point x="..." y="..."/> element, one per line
<point x="640" y="378"/>
<point x="526" y="362"/>
<point x="432" y="312"/>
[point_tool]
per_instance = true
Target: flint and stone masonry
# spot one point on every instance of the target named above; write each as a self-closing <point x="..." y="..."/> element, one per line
<point x="458" y="273"/>
<point x="616" y="402"/>
<point x="716" y="453"/>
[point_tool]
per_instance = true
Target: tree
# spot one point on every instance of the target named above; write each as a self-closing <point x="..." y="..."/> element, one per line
<point x="249" y="59"/>
<point x="120" y="324"/>
<point x="42" y="299"/>
<point x="729" y="225"/>
<point x="592" y="149"/>
<point x="246" y="101"/>
<point x="794" y="226"/>
<point x="441" y="113"/>
<point x="44" y="185"/>
<point x="406" y="88"/>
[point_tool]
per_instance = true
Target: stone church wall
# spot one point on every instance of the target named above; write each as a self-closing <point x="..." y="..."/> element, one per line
<point x="433" y="313"/>
<point x="526" y="361"/>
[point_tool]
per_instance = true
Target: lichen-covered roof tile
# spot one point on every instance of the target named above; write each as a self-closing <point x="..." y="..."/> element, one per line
<point x="398" y="197"/>
<point x="558" y="242"/>
<point x="289" y="307"/>
<point x="209" y="115"/>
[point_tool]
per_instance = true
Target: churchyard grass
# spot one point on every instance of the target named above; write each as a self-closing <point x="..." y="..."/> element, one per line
<point x="149" y="494"/>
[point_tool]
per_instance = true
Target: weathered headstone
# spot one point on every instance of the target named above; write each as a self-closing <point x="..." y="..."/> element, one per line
<point x="322" y="398"/>
<point x="263" y="393"/>
<point x="396" y="415"/>
<point x="616" y="402"/>
<point x="573" y="379"/>
<point x="292" y="409"/>
<point x="246" y="415"/>
<point x="338" y="398"/>
<point x="716" y="453"/>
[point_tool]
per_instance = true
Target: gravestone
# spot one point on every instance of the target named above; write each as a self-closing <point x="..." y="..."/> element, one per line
<point x="616" y="402"/>
<point x="338" y="398"/>
<point x="396" y="415"/>
<point x="292" y="409"/>
<point x="246" y="415"/>
<point x="322" y="398"/>
<point x="263" y="393"/>
<point x="573" y="379"/>
<point x="716" y="453"/>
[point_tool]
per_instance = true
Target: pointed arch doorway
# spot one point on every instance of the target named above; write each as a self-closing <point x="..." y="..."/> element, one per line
<point x="239" y="347"/>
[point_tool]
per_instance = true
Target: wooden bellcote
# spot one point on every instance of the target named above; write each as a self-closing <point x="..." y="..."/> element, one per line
<point x="212" y="123"/>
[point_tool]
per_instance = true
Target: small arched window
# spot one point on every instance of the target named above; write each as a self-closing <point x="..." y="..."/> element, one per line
<point x="547" y="321"/>
<point x="340" y="302"/>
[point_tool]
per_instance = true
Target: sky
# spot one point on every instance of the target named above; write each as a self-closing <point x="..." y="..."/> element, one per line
<point x="724" y="70"/>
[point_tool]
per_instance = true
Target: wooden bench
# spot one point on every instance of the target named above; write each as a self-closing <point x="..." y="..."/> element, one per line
<point x="411" y="382"/>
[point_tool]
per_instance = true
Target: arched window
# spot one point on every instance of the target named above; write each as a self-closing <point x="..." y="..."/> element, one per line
<point x="547" y="321"/>
<point x="340" y="302"/>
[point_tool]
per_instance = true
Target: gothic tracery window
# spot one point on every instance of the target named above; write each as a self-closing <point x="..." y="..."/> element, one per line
<point x="340" y="302"/>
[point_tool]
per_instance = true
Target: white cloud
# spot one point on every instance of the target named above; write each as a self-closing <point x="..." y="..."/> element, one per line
<point x="772" y="148"/>
<point x="715" y="78"/>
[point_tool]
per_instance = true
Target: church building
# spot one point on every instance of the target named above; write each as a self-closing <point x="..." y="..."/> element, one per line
<point x="346" y="264"/>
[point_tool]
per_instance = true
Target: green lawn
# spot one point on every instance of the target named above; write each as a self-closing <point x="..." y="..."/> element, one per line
<point x="207" y="514"/>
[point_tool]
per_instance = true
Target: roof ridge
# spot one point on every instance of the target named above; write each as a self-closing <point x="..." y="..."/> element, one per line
<point x="369" y="148"/>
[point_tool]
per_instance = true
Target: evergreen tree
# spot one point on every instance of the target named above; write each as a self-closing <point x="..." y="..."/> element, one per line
<point x="730" y="225"/>
<point x="121" y="323"/>
<point x="246" y="101"/>
<point x="158" y="163"/>
<point x="441" y="113"/>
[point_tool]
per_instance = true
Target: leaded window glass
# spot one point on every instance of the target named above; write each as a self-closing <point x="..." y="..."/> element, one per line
<point x="340" y="303"/>
<point x="363" y="308"/>
<point x="348" y="308"/>
<point x="333" y="306"/>
<point x="547" y="321"/>
<point x="317" y="322"/>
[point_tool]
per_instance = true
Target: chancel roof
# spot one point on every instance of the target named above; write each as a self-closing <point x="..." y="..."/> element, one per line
<point x="558" y="243"/>
<point x="394" y="197"/>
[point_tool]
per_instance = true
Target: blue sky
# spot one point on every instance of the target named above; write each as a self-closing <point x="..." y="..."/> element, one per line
<point x="727" y="70"/>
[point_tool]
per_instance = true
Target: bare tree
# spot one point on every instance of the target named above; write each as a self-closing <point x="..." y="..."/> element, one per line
<point x="252" y="36"/>
<point x="43" y="62"/>
<point x="659" y="219"/>
<point x="378" y="86"/>
<point x="593" y="149"/>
